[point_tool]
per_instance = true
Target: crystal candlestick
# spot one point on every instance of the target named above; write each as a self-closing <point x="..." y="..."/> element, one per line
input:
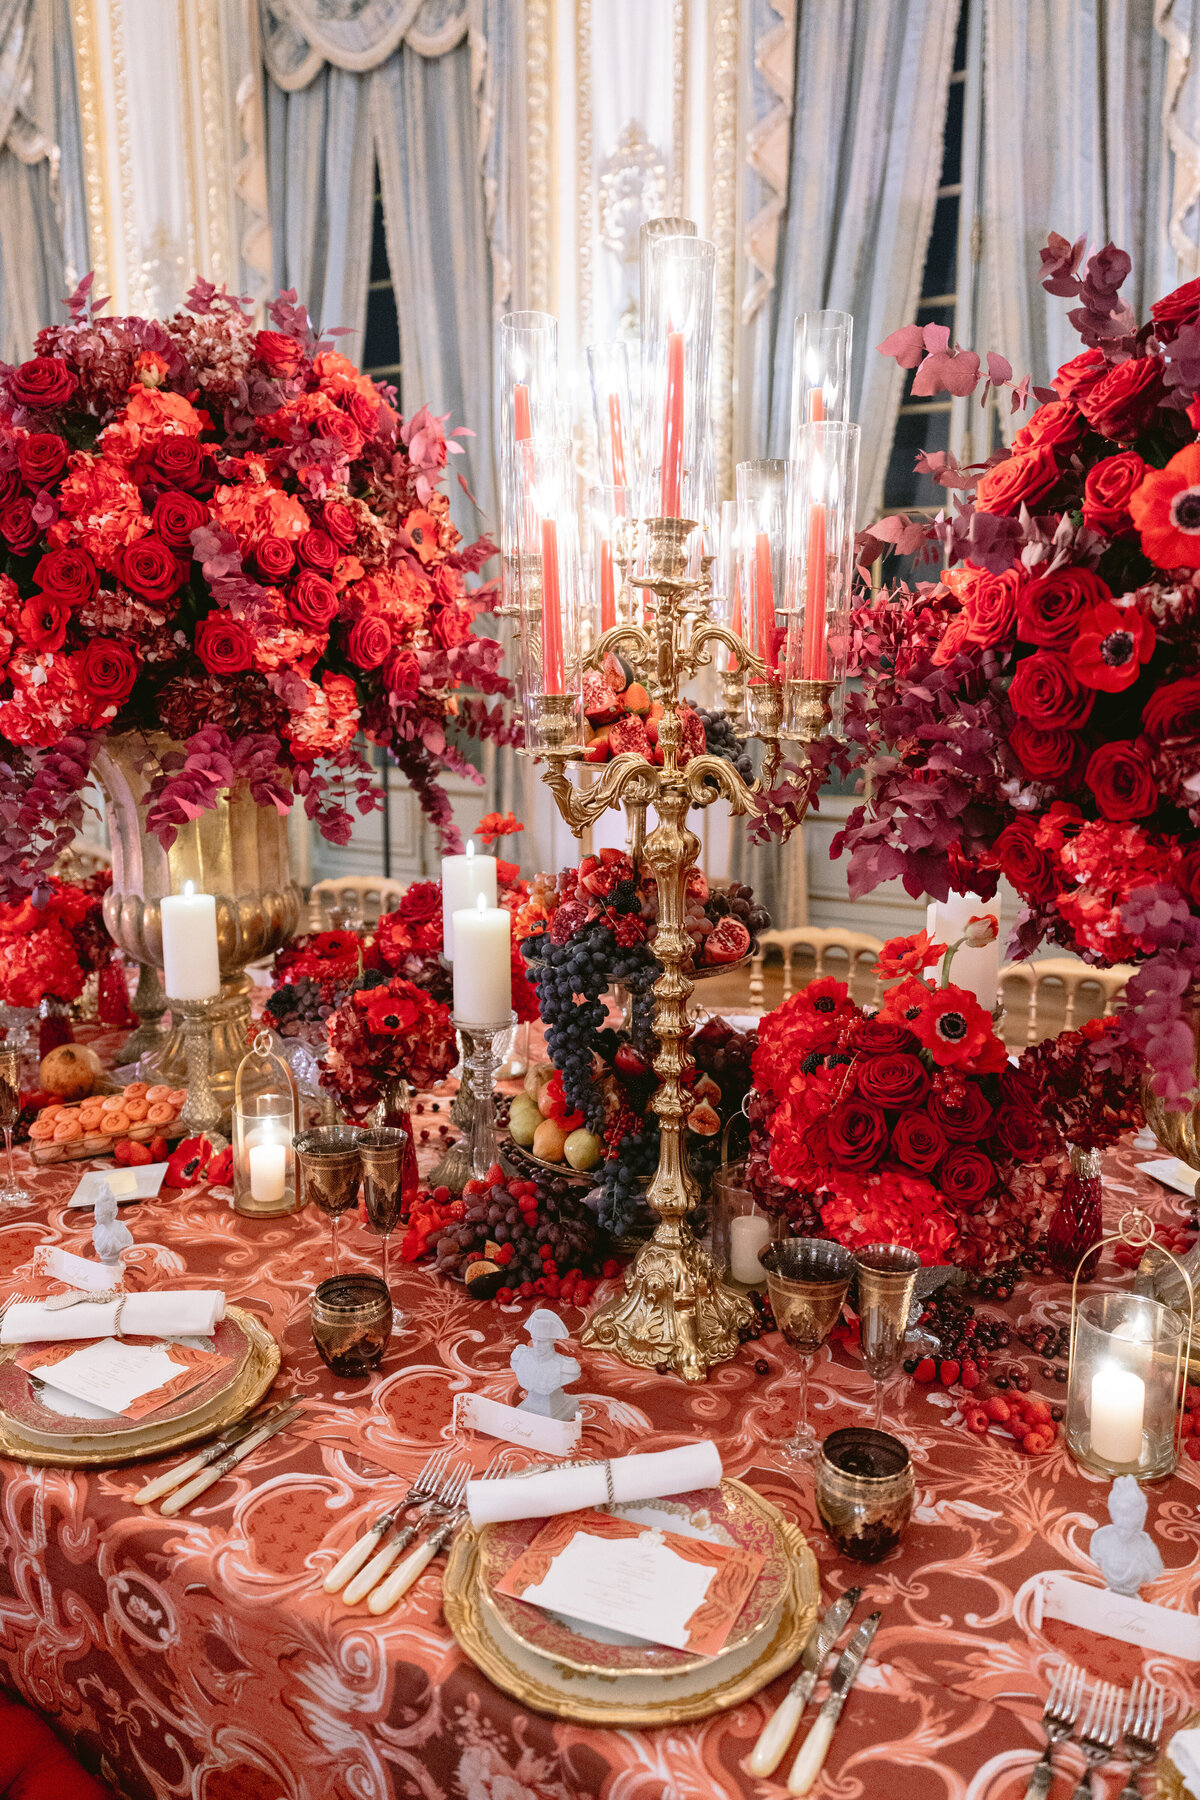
<point x="201" y="1112"/>
<point x="484" y="1049"/>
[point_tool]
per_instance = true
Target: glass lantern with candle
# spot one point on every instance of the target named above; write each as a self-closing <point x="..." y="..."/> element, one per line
<point x="265" y="1113"/>
<point x="551" y="596"/>
<point x="1125" y="1381"/>
<point x="612" y="403"/>
<point x="728" y="610"/>
<point x="822" y="497"/>
<point x="762" y="489"/>
<point x="676" y="345"/>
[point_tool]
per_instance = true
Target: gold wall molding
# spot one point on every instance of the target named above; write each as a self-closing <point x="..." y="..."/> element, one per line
<point x="90" y="49"/>
<point x="723" y="173"/>
<point x="539" y="212"/>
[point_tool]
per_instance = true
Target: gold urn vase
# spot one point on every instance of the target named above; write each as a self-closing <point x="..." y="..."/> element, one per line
<point x="1179" y="1132"/>
<point x="239" y="852"/>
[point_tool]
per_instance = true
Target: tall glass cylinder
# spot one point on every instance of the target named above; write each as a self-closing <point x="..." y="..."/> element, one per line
<point x="823" y="495"/>
<point x="527" y="359"/>
<point x="762" y="492"/>
<point x="677" y="349"/>
<point x="653" y="232"/>
<point x="728" y="609"/>
<point x="1128" y="1357"/>
<point x="612" y="404"/>
<point x="611" y="546"/>
<point x="551" y="595"/>
<point x="821" y="349"/>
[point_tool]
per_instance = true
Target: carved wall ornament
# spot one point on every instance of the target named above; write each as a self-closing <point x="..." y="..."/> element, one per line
<point x="632" y="181"/>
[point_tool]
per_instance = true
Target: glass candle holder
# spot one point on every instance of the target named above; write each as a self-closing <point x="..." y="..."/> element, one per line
<point x="762" y="489"/>
<point x="821" y="350"/>
<point x="527" y="359"/>
<point x="612" y="405"/>
<point x="551" y="596"/>
<point x="351" y="1323"/>
<point x="864" y="1491"/>
<point x="264" y="1163"/>
<point x="676" y="351"/>
<point x="740" y="1228"/>
<point x="822" y="497"/>
<point x="653" y="232"/>
<point x="1123" y="1385"/>
<point x="612" y="532"/>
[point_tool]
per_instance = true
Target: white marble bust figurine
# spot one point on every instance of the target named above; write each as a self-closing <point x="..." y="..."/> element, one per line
<point x="108" y="1236"/>
<point x="1124" y="1552"/>
<point x="541" y="1371"/>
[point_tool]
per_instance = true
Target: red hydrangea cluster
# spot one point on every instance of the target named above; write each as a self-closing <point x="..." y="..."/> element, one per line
<point x="1088" y="1081"/>
<point x="906" y="1126"/>
<point x="52" y="940"/>
<point x="409" y="940"/>
<point x="392" y="1032"/>
<point x="231" y="534"/>
<point x="1035" y="712"/>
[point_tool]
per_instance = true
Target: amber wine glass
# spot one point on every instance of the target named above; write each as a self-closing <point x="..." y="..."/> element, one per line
<point x="11" y="1193"/>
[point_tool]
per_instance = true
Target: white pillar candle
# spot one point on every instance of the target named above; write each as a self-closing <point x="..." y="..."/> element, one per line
<point x="268" y="1171"/>
<point x="748" y="1234"/>
<point x="483" y="965"/>
<point x="191" y="959"/>
<point x="976" y="970"/>
<point x="1118" y="1407"/>
<point x="464" y="879"/>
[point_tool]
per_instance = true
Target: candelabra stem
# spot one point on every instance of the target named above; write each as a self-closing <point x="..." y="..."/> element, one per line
<point x="484" y="1049"/>
<point x="200" y="1113"/>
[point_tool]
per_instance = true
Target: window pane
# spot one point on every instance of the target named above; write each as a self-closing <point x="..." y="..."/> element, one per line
<point x="379" y="256"/>
<point x="952" y="142"/>
<point x="923" y="430"/>
<point x="381" y="345"/>
<point x="960" y="42"/>
<point x="941" y="259"/>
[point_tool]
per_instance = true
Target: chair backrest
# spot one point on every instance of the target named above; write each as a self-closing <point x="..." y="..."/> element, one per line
<point x="1073" y="981"/>
<point x="82" y="859"/>
<point x="368" y="896"/>
<point x="848" y="955"/>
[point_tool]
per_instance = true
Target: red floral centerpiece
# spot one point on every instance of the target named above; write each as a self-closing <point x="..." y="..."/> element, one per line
<point x="908" y="1126"/>
<point x="50" y="942"/>
<point x="1035" y="711"/>
<point x="230" y="535"/>
<point x="382" y="1035"/>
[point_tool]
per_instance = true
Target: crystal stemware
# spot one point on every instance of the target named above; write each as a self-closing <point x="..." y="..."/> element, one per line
<point x="808" y="1280"/>
<point x="351" y="1322"/>
<point x="887" y="1277"/>
<point x="382" y="1150"/>
<point x="330" y="1170"/>
<point x="11" y="1193"/>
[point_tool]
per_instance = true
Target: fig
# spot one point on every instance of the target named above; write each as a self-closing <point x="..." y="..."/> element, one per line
<point x="703" y="1120"/>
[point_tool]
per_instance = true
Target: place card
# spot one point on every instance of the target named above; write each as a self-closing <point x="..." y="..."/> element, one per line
<point x="608" y="1570"/>
<point x="53" y="1264"/>
<point x="554" y="1437"/>
<point x="1134" y="1621"/>
<point x="122" y="1377"/>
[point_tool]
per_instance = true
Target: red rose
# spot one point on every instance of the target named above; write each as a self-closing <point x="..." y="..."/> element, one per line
<point x="1179" y="308"/>
<point x="961" y="1109"/>
<point x="1044" y="755"/>
<point x="319" y="551"/>
<point x="990" y="604"/>
<point x="857" y="1135"/>
<point x="1080" y="375"/>
<point x="182" y="462"/>
<point x="1019" y="1130"/>
<point x="364" y="410"/>
<point x="1123" y="402"/>
<point x="1050" y="608"/>
<point x="18" y="525"/>
<point x="42" y="383"/>
<point x="1173" y="711"/>
<point x="404" y="676"/>
<point x="312" y="601"/>
<point x="106" y="671"/>
<point x="370" y="642"/>
<point x="10" y="485"/>
<point x="1188" y="875"/>
<point x="420" y="903"/>
<point x="1120" y="776"/>
<point x="150" y="568"/>
<point x="340" y="429"/>
<point x="954" y="641"/>
<point x="339" y="522"/>
<point x="1026" y="865"/>
<point x="1021" y="480"/>
<point x="452" y="626"/>
<point x="1107" y="489"/>
<point x="874" y="1038"/>
<point x="224" y="644"/>
<point x="279" y="354"/>
<point x="275" y="558"/>
<point x="1059" y="423"/>
<point x="918" y="1141"/>
<point x="70" y="575"/>
<point x="966" y="1178"/>
<point x="892" y="1080"/>
<point x="42" y="622"/>
<point x="176" y="516"/>
<point x="41" y="457"/>
<point x="1045" y="692"/>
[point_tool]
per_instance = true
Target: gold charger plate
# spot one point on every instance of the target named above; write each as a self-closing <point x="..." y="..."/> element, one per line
<point x="252" y="1382"/>
<point x="1170" y="1781"/>
<point x="592" y="1700"/>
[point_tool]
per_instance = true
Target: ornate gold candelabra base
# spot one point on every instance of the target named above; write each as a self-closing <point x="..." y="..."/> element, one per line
<point x="675" y="1313"/>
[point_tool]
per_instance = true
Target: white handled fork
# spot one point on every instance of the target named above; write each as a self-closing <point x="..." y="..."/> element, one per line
<point x="423" y="1490"/>
<point x="452" y="1503"/>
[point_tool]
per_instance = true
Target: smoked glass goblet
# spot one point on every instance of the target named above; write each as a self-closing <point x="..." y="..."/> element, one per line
<point x="11" y="1193"/>
<point x="807" y="1279"/>
<point x="330" y="1169"/>
<point x="887" y="1278"/>
<point x="382" y="1150"/>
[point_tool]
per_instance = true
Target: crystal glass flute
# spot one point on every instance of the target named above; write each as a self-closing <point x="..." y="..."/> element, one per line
<point x="382" y="1152"/>
<point x="807" y="1279"/>
<point x="12" y="1193"/>
<point x="330" y="1169"/>
<point x="887" y="1276"/>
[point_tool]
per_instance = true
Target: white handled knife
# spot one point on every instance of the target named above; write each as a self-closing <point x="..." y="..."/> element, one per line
<point x="162" y="1484"/>
<point x="776" y="1734"/>
<point x="202" y="1482"/>
<point x="813" y="1751"/>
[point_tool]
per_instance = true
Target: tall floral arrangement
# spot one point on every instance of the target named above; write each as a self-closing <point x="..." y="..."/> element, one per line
<point x="230" y="535"/>
<point x="1035" y="711"/>
<point x="52" y="940"/>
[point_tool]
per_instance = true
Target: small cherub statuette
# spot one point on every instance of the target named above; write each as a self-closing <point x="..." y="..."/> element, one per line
<point x="1124" y="1552"/>
<point x="108" y="1237"/>
<point x="541" y="1371"/>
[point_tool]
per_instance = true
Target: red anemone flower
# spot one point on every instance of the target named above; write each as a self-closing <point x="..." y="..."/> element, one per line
<point x="1113" y="643"/>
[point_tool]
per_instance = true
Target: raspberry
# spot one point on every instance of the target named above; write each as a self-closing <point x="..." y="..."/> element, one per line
<point x="998" y="1409"/>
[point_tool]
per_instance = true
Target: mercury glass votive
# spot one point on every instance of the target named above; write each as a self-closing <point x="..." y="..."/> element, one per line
<point x="351" y="1322"/>
<point x="864" y="1491"/>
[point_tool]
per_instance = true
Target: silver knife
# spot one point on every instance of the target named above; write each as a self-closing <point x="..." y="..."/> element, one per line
<point x="200" y="1483"/>
<point x="776" y="1734"/>
<point x="175" y="1477"/>
<point x="813" y="1751"/>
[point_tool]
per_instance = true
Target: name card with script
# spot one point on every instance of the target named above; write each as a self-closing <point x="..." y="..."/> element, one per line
<point x="1134" y="1621"/>
<point x="556" y="1437"/>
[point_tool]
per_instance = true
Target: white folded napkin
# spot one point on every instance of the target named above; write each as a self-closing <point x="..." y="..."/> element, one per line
<point x="174" y="1312"/>
<point x="1184" y="1752"/>
<point x="645" y="1477"/>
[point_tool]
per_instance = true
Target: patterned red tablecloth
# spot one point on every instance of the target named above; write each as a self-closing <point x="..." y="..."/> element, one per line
<point x="198" y="1656"/>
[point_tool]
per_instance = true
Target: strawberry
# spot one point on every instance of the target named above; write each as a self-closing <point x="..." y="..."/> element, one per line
<point x="948" y="1373"/>
<point x="925" y="1370"/>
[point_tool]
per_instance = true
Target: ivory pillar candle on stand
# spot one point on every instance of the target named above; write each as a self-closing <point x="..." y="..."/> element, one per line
<point x="482" y="964"/>
<point x="464" y="880"/>
<point x="748" y="1234"/>
<point x="976" y="970"/>
<point x="268" y="1171"/>
<point x="191" y="959"/>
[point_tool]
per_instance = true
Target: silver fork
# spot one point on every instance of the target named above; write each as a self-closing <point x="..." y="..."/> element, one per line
<point x="424" y="1489"/>
<point x="1058" y="1720"/>
<point x="401" y="1579"/>
<point x="1100" y="1733"/>
<point x="1143" y="1728"/>
<point x="440" y="1502"/>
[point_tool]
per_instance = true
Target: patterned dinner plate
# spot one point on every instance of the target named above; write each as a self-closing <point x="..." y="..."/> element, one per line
<point x="732" y="1514"/>
<point x="31" y="1432"/>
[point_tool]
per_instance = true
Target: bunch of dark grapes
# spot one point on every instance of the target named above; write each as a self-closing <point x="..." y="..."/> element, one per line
<point x="503" y="1215"/>
<point x="721" y="739"/>
<point x="569" y="980"/>
<point x="738" y="899"/>
<point x="621" y="1198"/>
<point x="296" y="1008"/>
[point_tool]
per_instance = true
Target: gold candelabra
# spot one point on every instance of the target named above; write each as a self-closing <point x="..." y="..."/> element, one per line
<point x="675" y="1311"/>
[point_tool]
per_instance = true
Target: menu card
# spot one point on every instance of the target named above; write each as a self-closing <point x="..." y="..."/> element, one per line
<point x="133" y="1379"/>
<point x="638" y="1579"/>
